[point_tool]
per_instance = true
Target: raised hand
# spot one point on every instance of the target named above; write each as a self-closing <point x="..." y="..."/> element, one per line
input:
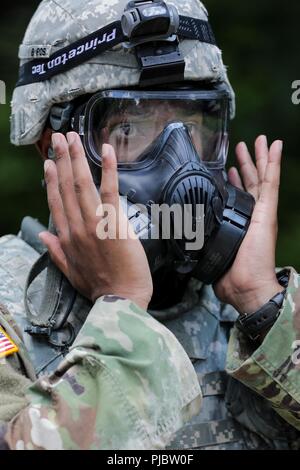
<point x="251" y="281"/>
<point x="94" y="266"/>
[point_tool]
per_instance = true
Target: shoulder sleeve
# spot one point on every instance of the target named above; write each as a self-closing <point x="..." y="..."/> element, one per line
<point x="273" y="370"/>
<point x="126" y="384"/>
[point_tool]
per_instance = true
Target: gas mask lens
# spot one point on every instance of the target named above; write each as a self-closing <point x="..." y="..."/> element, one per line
<point x="171" y="148"/>
<point x="132" y="121"/>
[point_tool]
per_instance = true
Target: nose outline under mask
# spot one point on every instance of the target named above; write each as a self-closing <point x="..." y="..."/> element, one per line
<point x="171" y="155"/>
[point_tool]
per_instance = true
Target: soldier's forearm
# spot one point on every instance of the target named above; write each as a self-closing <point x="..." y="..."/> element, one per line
<point x="272" y="369"/>
<point x="119" y="370"/>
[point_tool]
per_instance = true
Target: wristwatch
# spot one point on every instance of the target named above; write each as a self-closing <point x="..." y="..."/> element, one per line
<point x="256" y="325"/>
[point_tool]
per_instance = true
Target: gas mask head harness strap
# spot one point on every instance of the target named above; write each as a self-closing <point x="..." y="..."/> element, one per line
<point x="153" y="28"/>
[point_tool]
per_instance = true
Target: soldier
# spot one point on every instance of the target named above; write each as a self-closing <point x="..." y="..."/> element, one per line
<point x="142" y="88"/>
<point x="126" y="383"/>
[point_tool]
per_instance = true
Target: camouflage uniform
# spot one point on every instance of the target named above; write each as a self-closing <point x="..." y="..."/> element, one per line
<point x="130" y="393"/>
<point x="125" y="383"/>
<point x="251" y="402"/>
<point x="250" y="393"/>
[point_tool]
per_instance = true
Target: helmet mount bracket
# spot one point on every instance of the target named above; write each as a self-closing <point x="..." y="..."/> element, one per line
<point x="151" y="27"/>
<point x="160" y="62"/>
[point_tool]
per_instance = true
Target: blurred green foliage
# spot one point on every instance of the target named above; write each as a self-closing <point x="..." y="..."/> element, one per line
<point x="260" y="43"/>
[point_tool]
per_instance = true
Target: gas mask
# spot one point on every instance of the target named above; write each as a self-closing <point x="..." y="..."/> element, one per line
<point x="171" y="142"/>
<point x="171" y="148"/>
<point x="171" y="145"/>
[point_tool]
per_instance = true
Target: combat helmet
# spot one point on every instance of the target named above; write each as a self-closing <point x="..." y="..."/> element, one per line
<point x="73" y="47"/>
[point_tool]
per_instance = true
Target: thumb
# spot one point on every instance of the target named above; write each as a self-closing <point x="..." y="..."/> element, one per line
<point x="55" y="251"/>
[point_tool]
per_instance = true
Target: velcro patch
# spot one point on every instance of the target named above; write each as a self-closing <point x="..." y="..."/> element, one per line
<point x="7" y="346"/>
<point x="35" y="51"/>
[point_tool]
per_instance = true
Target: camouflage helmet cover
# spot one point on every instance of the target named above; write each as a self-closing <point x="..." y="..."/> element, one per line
<point x="57" y="24"/>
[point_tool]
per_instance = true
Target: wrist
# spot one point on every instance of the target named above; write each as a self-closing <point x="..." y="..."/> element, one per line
<point x="257" y="325"/>
<point x="143" y="304"/>
<point x="139" y="295"/>
<point x="140" y="301"/>
<point x="253" y="299"/>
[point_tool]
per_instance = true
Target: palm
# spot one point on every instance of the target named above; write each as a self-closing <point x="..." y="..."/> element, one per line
<point x="254" y="267"/>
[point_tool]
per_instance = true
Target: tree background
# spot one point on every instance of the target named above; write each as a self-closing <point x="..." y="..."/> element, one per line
<point x="260" y="42"/>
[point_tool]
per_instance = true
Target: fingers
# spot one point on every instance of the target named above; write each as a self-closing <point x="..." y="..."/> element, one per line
<point x="55" y="251"/>
<point x="261" y="155"/>
<point x="85" y="189"/>
<point x="109" y="193"/>
<point x="270" y="187"/>
<point x="54" y="200"/>
<point x="235" y="179"/>
<point x="109" y="190"/>
<point x="65" y="180"/>
<point x="247" y="169"/>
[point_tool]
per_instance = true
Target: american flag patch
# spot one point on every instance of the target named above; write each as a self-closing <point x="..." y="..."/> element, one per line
<point x="7" y="346"/>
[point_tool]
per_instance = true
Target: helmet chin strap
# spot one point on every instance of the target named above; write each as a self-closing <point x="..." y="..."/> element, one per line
<point x="58" y="297"/>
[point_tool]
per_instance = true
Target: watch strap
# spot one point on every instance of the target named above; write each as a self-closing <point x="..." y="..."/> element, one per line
<point x="256" y="324"/>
